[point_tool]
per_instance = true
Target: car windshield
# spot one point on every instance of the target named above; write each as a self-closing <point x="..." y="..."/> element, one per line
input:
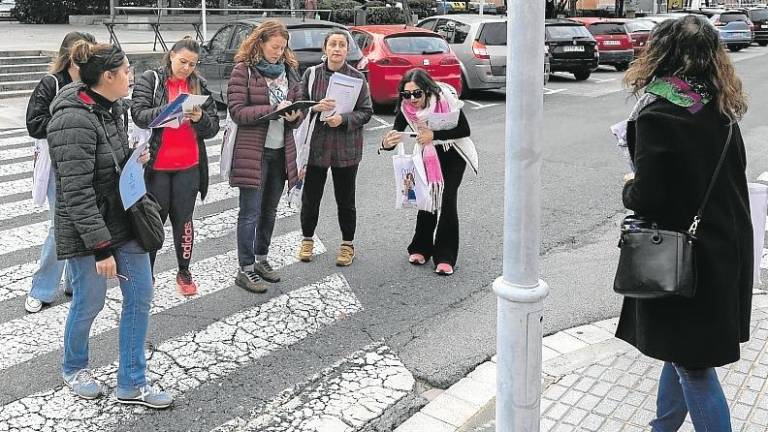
<point x="607" y="29"/>
<point x="726" y="18"/>
<point x="567" y="32"/>
<point x="312" y="38"/>
<point x="759" y="15"/>
<point x="639" y="26"/>
<point x="494" y="33"/>
<point x="422" y="44"/>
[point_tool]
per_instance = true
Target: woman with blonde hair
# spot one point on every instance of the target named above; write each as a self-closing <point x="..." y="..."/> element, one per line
<point x="264" y="79"/>
<point x="684" y="127"/>
<point x="63" y="71"/>
<point x="178" y="166"/>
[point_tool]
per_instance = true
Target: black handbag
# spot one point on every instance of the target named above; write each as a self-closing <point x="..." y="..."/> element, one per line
<point x="144" y="216"/>
<point x="658" y="263"/>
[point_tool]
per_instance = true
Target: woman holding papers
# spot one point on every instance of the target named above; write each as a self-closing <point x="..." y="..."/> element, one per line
<point x="45" y="282"/>
<point x="335" y="138"/>
<point x="87" y="139"/>
<point x="434" y="111"/>
<point x="264" y="80"/>
<point x="178" y="165"/>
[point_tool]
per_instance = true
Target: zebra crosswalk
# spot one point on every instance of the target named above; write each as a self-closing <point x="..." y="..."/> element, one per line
<point x="347" y="393"/>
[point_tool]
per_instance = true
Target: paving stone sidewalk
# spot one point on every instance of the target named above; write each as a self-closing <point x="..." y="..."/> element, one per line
<point x="595" y="382"/>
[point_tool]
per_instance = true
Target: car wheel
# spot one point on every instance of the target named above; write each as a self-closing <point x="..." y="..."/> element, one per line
<point x="621" y="67"/>
<point x="582" y="75"/>
<point x="465" y="90"/>
<point x="735" y="48"/>
<point x="762" y="43"/>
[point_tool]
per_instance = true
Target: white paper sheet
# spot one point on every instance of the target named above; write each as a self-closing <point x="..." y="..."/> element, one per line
<point x="132" y="186"/>
<point x="345" y="90"/>
<point x="193" y="101"/>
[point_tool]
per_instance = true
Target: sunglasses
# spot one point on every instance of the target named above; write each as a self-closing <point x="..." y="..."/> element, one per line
<point x="416" y="94"/>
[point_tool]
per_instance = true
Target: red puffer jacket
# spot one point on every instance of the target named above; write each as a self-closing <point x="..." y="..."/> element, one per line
<point x="246" y="106"/>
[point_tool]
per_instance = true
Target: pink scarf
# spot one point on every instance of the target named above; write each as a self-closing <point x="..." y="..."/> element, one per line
<point x="417" y="117"/>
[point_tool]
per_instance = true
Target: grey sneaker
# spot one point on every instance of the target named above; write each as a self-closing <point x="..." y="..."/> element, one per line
<point x="248" y="280"/>
<point x="265" y="270"/>
<point x="147" y="396"/>
<point x="33" y="305"/>
<point x="83" y="384"/>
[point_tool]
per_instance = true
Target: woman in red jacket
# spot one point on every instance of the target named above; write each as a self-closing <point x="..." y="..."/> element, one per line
<point x="264" y="80"/>
<point x="178" y="168"/>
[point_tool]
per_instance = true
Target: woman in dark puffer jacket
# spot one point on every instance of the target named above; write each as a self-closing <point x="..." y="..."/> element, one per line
<point x="178" y="164"/>
<point x="87" y="137"/>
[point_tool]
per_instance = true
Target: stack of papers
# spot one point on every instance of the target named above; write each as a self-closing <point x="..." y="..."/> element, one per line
<point x="173" y="114"/>
<point x="345" y="90"/>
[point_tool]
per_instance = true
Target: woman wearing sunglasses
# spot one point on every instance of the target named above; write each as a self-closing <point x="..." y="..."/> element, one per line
<point x="446" y="153"/>
<point x="178" y="166"/>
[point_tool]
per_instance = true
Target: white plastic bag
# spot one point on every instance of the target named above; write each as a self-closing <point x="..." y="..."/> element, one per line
<point x="41" y="172"/>
<point x="227" y="147"/>
<point x="411" y="190"/>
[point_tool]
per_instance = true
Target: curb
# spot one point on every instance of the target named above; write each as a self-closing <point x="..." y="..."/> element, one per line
<point x="562" y="353"/>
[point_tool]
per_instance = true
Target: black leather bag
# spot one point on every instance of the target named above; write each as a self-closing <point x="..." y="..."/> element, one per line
<point x="658" y="263"/>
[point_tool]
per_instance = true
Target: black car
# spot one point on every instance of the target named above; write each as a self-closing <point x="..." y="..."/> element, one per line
<point x="759" y="18"/>
<point x="307" y="36"/>
<point x="572" y="48"/>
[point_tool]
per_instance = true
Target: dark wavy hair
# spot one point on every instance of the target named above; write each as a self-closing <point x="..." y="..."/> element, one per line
<point x="690" y="47"/>
<point x="95" y="59"/>
<point x="191" y="45"/>
<point x="64" y="58"/>
<point x="421" y="78"/>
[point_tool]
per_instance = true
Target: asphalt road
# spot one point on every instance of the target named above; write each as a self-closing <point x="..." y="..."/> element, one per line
<point x="406" y="323"/>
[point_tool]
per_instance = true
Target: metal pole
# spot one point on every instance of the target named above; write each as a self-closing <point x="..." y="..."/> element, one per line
<point x="482" y="6"/>
<point x="112" y="9"/>
<point x="204" y="14"/>
<point x="520" y="291"/>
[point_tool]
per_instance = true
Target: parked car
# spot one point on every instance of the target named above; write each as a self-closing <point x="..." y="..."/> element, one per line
<point x="613" y="41"/>
<point x="639" y="30"/>
<point x="389" y="51"/>
<point x="734" y="27"/>
<point x="759" y="18"/>
<point x="488" y="8"/>
<point x="572" y="48"/>
<point x="307" y="36"/>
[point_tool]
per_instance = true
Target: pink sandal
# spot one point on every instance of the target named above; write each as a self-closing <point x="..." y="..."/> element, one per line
<point x="417" y="259"/>
<point x="444" y="269"/>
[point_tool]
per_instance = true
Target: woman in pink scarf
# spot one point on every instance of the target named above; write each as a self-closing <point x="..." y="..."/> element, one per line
<point x="437" y="232"/>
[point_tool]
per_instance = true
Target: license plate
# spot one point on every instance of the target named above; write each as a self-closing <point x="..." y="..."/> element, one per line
<point x="573" y="48"/>
<point x="612" y="42"/>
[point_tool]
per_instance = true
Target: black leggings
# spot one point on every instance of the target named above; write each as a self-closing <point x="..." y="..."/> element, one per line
<point x="176" y="191"/>
<point x="344" y="180"/>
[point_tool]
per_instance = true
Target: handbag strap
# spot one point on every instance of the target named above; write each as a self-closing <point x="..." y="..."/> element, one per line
<point x="696" y="219"/>
<point x="109" y="144"/>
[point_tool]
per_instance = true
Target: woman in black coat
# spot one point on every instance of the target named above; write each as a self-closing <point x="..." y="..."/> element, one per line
<point x="693" y="98"/>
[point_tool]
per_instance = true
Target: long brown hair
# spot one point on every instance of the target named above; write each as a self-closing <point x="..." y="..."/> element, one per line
<point x="64" y="57"/>
<point x="690" y="47"/>
<point x="190" y="45"/>
<point x="250" y="51"/>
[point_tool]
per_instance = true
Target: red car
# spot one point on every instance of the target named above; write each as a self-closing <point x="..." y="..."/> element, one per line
<point x="613" y="41"/>
<point x="639" y="30"/>
<point x="389" y="51"/>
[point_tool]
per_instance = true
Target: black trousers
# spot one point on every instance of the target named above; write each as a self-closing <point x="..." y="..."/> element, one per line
<point x="442" y="245"/>
<point x="176" y="191"/>
<point x="344" y="180"/>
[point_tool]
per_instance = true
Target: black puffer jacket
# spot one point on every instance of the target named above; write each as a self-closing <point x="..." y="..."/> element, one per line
<point x="89" y="214"/>
<point x="145" y="108"/>
<point x="39" y="106"/>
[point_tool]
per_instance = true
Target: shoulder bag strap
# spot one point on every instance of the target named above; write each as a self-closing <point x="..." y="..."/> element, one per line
<point x="696" y="219"/>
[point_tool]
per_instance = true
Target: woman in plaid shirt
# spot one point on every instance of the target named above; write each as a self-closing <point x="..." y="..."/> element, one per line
<point x="335" y="143"/>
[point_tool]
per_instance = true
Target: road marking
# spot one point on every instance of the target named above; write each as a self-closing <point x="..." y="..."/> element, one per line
<point x="384" y="124"/>
<point x="46" y="328"/>
<point x="343" y="397"/>
<point x="15" y="140"/>
<point x="600" y="81"/>
<point x="16" y="153"/>
<point x="16" y="186"/>
<point x="16" y="281"/>
<point x="548" y="91"/>
<point x="478" y="106"/>
<point x="186" y="362"/>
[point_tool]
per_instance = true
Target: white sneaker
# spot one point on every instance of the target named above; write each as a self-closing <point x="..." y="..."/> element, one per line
<point x="33" y="305"/>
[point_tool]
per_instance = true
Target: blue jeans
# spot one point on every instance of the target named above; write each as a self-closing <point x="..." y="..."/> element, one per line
<point x="90" y="290"/>
<point x="45" y="282"/>
<point x="258" y="209"/>
<point x="696" y="390"/>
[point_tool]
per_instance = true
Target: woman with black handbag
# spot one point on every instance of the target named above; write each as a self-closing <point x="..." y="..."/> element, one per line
<point x="687" y="124"/>
<point x="88" y="142"/>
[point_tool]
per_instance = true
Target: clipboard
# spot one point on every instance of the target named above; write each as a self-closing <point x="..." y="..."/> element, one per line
<point x="296" y="106"/>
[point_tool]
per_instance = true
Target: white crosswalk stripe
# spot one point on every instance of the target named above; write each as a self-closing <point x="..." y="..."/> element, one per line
<point x="186" y="362"/>
<point x="16" y="186"/>
<point x="342" y="397"/>
<point x="46" y="328"/>
<point x="16" y="153"/>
